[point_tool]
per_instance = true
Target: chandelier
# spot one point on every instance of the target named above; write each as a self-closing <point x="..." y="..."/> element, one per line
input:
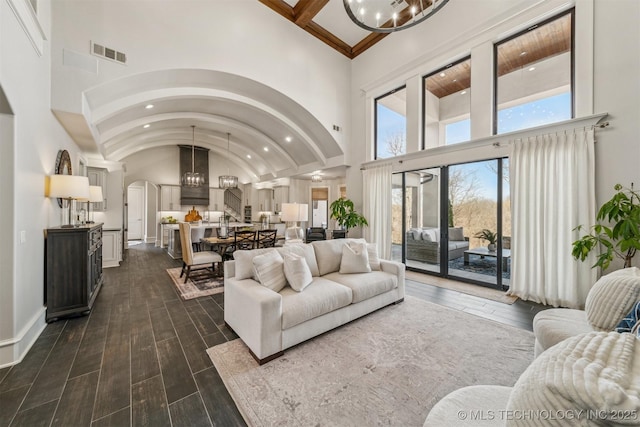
<point x="228" y="181"/>
<point x="387" y="16"/>
<point x="316" y="178"/>
<point x="193" y="178"/>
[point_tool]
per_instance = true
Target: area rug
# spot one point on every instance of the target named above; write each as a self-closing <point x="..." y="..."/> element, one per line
<point x="480" y="265"/>
<point x="388" y="368"/>
<point x="465" y="288"/>
<point x="195" y="286"/>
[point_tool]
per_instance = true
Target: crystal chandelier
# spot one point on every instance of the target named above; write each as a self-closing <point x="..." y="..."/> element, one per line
<point x="193" y="178"/>
<point x="228" y="181"/>
<point x="316" y="178"/>
<point x="387" y="16"/>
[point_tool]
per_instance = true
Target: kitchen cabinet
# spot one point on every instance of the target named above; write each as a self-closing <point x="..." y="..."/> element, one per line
<point x="98" y="176"/>
<point x="216" y="199"/>
<point x="265" y="199"/>
<point x="73" y="270"/>
<point x="280" y="196"/>
<point x="111" y="248"/>
<point x="170" y="198"/>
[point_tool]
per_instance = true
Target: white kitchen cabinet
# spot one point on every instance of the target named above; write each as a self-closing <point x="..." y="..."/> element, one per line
<point x="265" y="199"/>
<point x="280" y="196"/>
<point x="170" y="198"/>
<point x="98" y="176"/>
<point x="216" y="199"/>
<point x="111" y="248"/>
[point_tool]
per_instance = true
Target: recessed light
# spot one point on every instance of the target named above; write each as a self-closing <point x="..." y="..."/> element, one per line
<point x="455" y="80"/>
<point x="442" y="74"/>
<point x="463" y="92"/>
<point x="146" y="126"/>
<point x="266" y="148"/>
<point x="532" y="68"/>
<point x="248" y="156"/>
<point x="148" y="106"/>
<point x="288" y="139"/>
<point x="523" y="53"/>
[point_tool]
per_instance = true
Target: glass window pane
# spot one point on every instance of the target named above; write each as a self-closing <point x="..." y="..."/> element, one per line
<point x="447" y="105"/>
<point x="534" y="85"/>
<point x="391" y="124"/>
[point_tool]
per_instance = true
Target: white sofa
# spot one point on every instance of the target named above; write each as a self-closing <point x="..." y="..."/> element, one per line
<point x="269" y="322"/>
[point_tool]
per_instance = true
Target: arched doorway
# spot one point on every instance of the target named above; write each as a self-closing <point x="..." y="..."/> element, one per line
<point x="141" y="213"/>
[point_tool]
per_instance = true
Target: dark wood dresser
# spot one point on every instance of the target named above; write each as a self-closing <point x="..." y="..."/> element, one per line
<point x="73" y="270"/>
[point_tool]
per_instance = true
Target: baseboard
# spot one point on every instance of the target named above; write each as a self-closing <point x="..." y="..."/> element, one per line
<point x="150" y="240"/>
<point x="13" y="350"/>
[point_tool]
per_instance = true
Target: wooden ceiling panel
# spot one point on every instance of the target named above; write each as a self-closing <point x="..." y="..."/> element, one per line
<point x="451" y="80"/>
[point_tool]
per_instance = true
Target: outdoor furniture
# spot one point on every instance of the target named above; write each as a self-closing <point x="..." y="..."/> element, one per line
<point x="204" y="260"/>
<point x="484" y="252"/>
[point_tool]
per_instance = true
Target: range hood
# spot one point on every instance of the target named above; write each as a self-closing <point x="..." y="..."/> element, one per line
<point x="194" y="196"/>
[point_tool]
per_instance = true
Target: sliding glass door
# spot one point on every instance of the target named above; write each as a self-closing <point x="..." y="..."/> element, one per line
<point x="454" y="221"/>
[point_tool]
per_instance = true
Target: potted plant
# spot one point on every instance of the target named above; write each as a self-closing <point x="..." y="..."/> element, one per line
<point x="343" y="211"/>
<point x="489" y="236"/>
<point x="620" y="237"/>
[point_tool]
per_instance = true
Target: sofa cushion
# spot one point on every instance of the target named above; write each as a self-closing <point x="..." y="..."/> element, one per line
<point x="557" y="324"/>
<point x="268" y="270"/>
<point x="594" y="373"/>
<point x="374" y="260"/>
<point x="322" y="296"/>
<point x="612" y="297"/>
<point x="458" y="245"/>
<point x="431" y="235"/>
<point x="456" y="234"/>
<point x="244" y="264"/>
<point x="304" y="250"/>
<point x="355" y="258"/>
<point x="297" y="272"/>
<point x="329" y="254"/>
<point x="416" y="233"/>
<point x="365" y="285"/>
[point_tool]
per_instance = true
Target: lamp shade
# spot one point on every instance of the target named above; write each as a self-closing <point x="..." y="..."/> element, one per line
<point x="69" y="186"/>
<point x="294" y="212"/>
<point x="95" y="194"/>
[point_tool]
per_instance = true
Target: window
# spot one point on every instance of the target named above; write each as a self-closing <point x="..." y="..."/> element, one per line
<point x="447" y="105"/>
<point x="391" y="124"/>
<point x="534" y="76"/>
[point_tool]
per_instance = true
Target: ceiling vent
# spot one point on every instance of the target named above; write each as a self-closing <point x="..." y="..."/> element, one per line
<point x="108" y="53"/>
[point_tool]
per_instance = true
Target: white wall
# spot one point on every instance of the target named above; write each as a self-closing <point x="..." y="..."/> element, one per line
<point x="24" y="73"/>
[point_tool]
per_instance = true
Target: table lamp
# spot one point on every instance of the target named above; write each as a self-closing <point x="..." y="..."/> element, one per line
<point x="95" y="196"/>
<point x="291" y="214"/>
<point x="69" y="188"/>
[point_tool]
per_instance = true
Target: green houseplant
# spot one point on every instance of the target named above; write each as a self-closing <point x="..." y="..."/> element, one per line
<point x="343" y="211"/>
<point x="489" y="236"/>
<point x="617" y="231"/>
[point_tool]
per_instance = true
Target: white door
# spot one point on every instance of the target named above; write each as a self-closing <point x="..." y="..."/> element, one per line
<point x="136" y="202"/>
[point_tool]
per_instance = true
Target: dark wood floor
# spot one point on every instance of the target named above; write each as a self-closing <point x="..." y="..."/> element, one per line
<point x="139" y="358"/>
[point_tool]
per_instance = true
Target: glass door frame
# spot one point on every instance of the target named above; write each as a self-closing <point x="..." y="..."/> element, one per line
<point x="444" y="225"/>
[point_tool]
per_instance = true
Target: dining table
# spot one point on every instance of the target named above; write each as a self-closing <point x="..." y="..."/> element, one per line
<point x="219" y="243"/>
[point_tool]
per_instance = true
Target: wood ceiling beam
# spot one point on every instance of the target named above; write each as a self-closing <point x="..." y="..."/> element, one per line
<point x="305" y="10"/>
<point x="302" y="15"/>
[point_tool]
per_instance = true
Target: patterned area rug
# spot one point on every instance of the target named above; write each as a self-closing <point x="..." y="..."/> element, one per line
<point x="480" y="265"/>
<point x="388" y="368"/>
<point x="196" y="286"/>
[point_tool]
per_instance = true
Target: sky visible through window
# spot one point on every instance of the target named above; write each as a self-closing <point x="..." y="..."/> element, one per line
<point x="390" y="123"/>
<point x="536" y="113"/>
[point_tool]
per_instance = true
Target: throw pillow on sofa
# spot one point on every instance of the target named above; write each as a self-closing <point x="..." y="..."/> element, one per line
<point x="631" y="322"/>
<point x="297" y="272"/>
<point x="374" y="260"/>
<point x="355" y="258"/>
<point x="456" y="234"/>
<point x="269" y="271"/>
<point x="612" y="297"/>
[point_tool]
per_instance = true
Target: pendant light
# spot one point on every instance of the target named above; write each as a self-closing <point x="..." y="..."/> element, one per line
<point x="193" y="179"/>
<point x="228" y="181"/>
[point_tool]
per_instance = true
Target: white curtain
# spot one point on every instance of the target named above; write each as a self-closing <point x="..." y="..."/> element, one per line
<point x="376" y="198"/>
<point x="553" y="191"/>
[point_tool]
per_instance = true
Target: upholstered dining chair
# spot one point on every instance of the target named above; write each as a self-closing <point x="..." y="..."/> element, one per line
<point x="200" y="260"/>
<point x="266" y="238"/>
<point x="197" y="234"/>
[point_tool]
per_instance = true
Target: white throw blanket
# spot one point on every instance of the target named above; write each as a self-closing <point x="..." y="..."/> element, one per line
<point x="587" y="380"/>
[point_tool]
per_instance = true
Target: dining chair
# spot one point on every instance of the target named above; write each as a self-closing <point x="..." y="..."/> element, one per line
<point x="197" y="234"/>
<point x="242" y="240"/>
<point x="202" y="260"/>
<point x="266" y="239"/>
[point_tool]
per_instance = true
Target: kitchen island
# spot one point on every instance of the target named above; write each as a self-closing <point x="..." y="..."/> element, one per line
<point x="174" y="247"/>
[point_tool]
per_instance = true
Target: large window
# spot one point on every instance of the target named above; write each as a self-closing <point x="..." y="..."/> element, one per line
<point x="391" y="124"/>
<point x="447" y="105"/>
<point x="534" y="69"/>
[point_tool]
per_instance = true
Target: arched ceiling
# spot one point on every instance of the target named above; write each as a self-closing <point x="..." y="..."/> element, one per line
<point x="271" y="135"/>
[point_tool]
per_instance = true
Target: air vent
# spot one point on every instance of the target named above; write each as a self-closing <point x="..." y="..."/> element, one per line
<point x="108" y="53"/>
